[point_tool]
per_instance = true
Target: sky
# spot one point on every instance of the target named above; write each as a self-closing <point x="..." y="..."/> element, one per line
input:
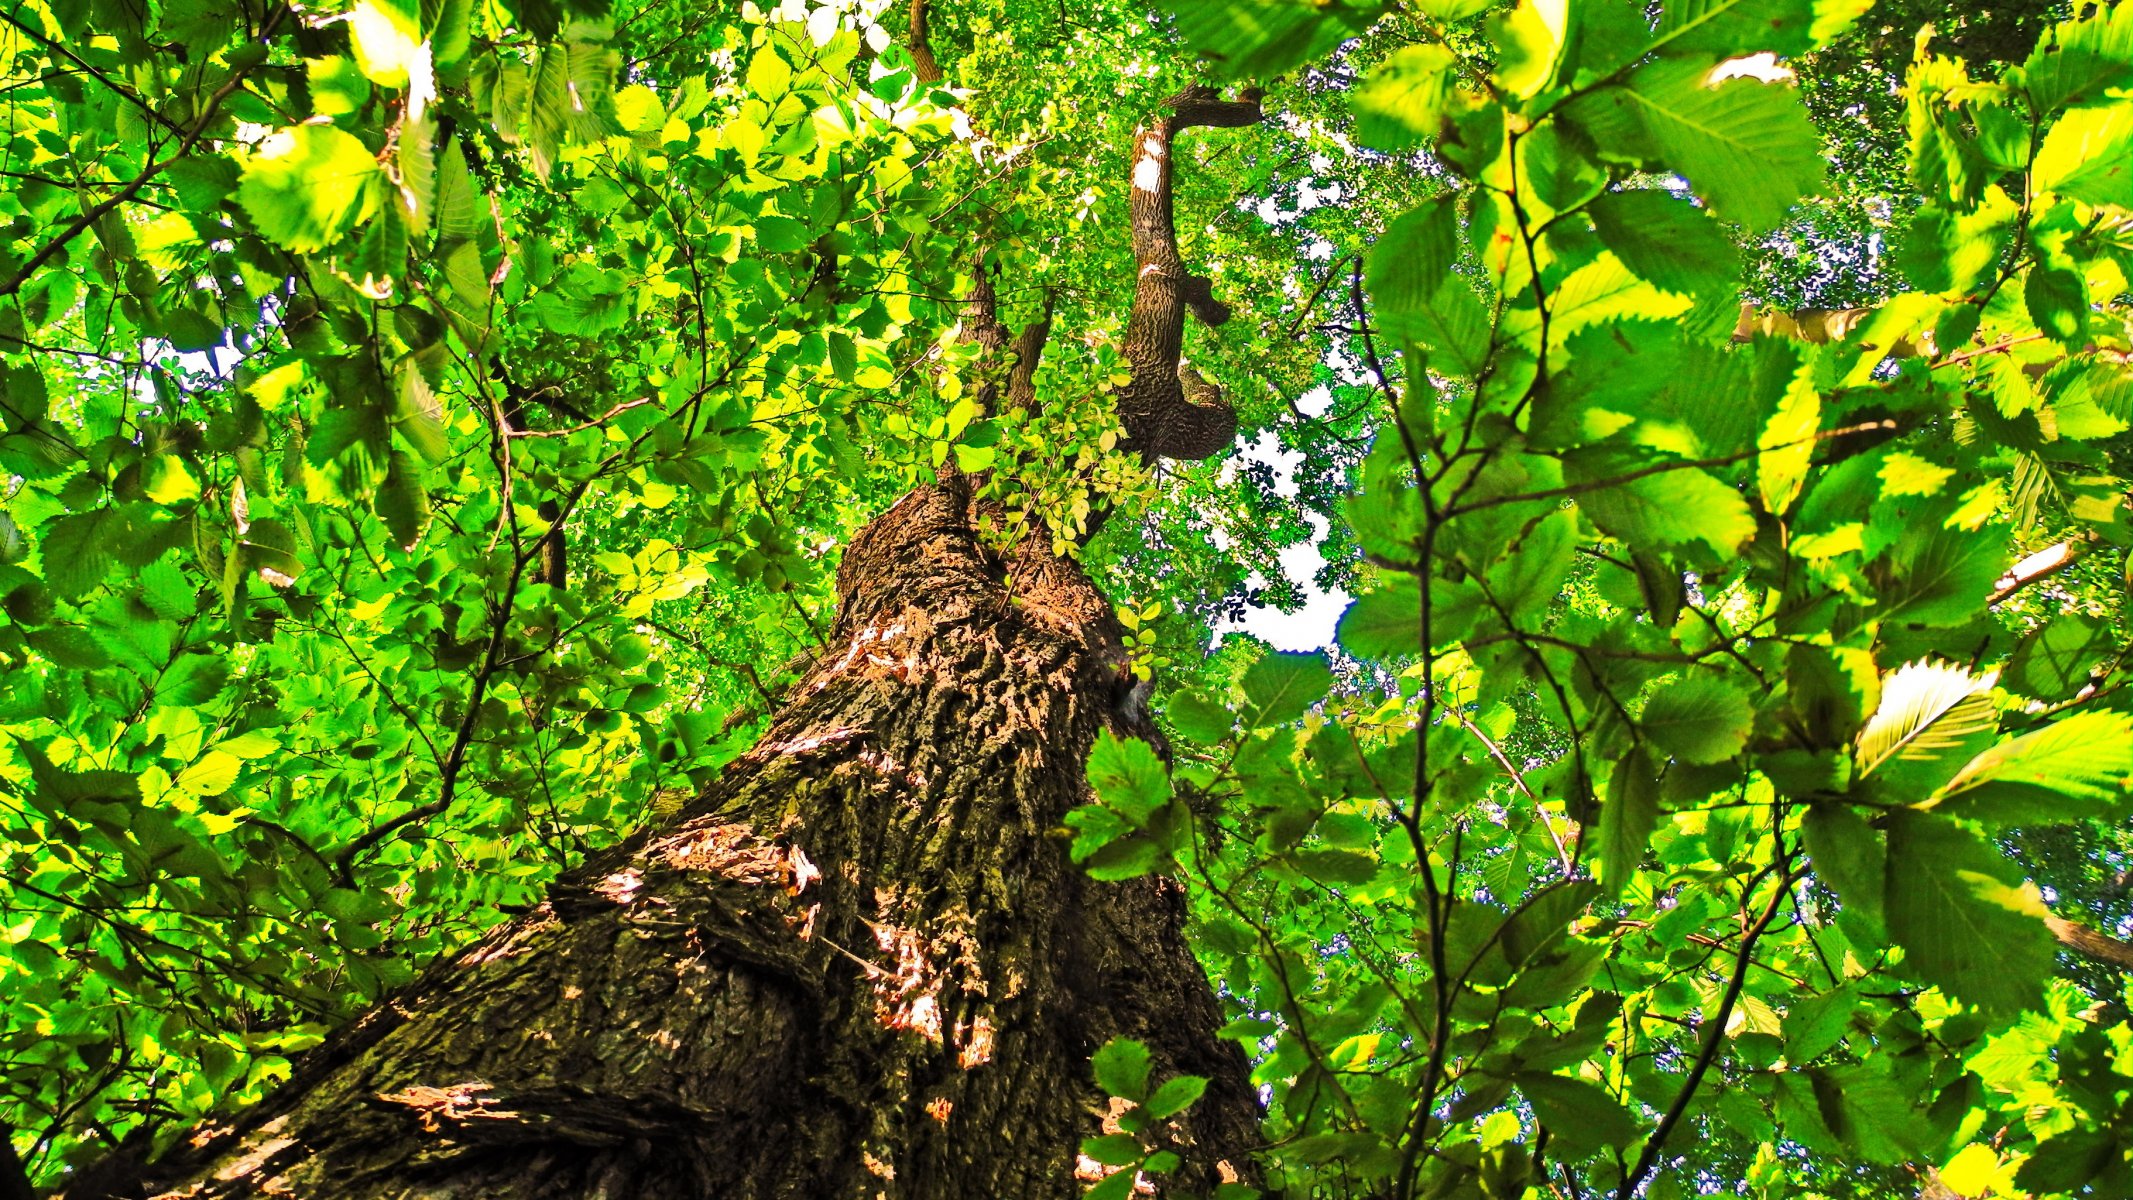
<point x="1311" y="626"/>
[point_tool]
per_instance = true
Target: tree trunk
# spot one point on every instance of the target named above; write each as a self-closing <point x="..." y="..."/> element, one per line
<point x="860" y="965"/>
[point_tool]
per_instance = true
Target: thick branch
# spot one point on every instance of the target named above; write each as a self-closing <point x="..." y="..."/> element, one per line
<point x="2043" y="564"/>
<point x="982" y="325"/>
<point x="917" y="42"/>
<point x="2090" y="944"/>
<point x="1169" y="411"/>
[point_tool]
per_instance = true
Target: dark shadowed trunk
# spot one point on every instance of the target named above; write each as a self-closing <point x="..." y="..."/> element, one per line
<point x="862" y="965"/>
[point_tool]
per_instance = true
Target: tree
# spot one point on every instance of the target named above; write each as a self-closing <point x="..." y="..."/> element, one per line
<point x="829" y="957"/>
<point x="425" y="456"/>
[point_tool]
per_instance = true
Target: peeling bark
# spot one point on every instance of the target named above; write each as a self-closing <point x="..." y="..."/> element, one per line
<point x="860" y="965"/>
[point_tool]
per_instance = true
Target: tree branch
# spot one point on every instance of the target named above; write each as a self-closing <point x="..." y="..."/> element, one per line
<point x="917" y="42"/>
<point x="1169" y="412"/>
<point x="1649" y="1159"/>
<point x="96" y="213"/>
<point x="2043" y="564"/>
<point x="2090" y="944"/>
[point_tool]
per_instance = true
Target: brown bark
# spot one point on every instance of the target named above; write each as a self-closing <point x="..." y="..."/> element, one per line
<point x="1019" y="353"/>
<point x="1168" y="410"/>
<point x="2090" y="944"/>
<point x="860" y="966"/>
<point x="918" y="42"/>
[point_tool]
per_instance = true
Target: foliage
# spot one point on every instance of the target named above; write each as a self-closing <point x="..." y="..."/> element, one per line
<point x="1659" y="839"/>
<point x="429" y="430"/>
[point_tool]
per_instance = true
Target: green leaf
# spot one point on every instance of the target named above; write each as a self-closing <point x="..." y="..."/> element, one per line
<point x="307" y="186"/>
<point x="1581" y="1115"/>
<point x="1967" y="922"/>
<point x="80" y="549"/>
<point x="403" y="502"/>
<point x="1114" y="1149"/>
<point x="1933" y="718"/>
<point x="1199" y="718"/>
<point x="1282" y="686"/>
<point x="1530" y="41"/>
<point x="1849" y="856"/>
<point x="1128" y="777"/>
<point x="2056" y="659"/>
<point x="2088" y="156"/>
<point x="2066" y="1161"/>
<point x="1421" y="297"/>
<point x="1121" y="1068"/>
<point x="1384" y="622"/>
<point x="387" y="37"/>
<point x="1667" y="241"/>
<point x="1729" y="28"/>
<point x="1626" y="821"/>
<point x="1818" y="1023"/>
<point x="2074" y="769"/>
<point x="1673" y="505"/>
<point x="2079" y="62"/>
<point x="1406" y="100"/>
<point x="1337" y="867"/>
<point x="1700" y="718"/>
<point x="1118" y="1185"/>
<point x="1126" y="858"/>
<point x="1175" y="1096"/>
<point x="338" y="86"/>
<point x="1938" y="577"/>
<point x="1259" y="39"/>
<point x="768" y="74"/>
<point x="2057" y="298"/>
<point x="1745" y="146"/>
<point x="193" y="679"/>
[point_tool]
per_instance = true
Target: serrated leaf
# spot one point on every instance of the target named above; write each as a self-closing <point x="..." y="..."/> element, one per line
<point x="1405" y="100"/>
<point x="1849" y="856"/>
<point x="1672" y="506"/>
<point x="1938" y="577"/>
<point x="1728" y="28"/>
<point x="1582" y="1117"/>
<point x="1337" y="867"/>
<point x="1128" y="777"/>
<point x="1817" y="1023"/>
<point x="1698" y="718"/>
<point x="2074" y="769"/>
<point x="1175" y="1096"/>
<point x="1121" y="1068"/>
<point x="2080" y="62"/>
<point x="1627" y="819"/>
<point x="1933" y="718"/>
<point x="1666" y="240"/>
<point x="1127" y="858"/>
<point x="1967" y="922"/>
<point x="1282" y="686"/>
<point x="2056" y="660"/>
<point x="1745" y="146"/>
<point x="1420" y="297"/>
<point x="307" y="186"/>
<point x="1260" y="39"/>
<point x="1384" y="622"/>
<point x="1199" y="718"/>
<point x="79" y="549"/>
<point x="2088" y="156"/>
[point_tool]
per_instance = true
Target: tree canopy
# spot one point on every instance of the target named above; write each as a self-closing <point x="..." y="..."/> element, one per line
<point x="430" y="433"/>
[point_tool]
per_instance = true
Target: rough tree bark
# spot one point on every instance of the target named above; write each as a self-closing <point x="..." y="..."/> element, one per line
<point x="862" y="964"/>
